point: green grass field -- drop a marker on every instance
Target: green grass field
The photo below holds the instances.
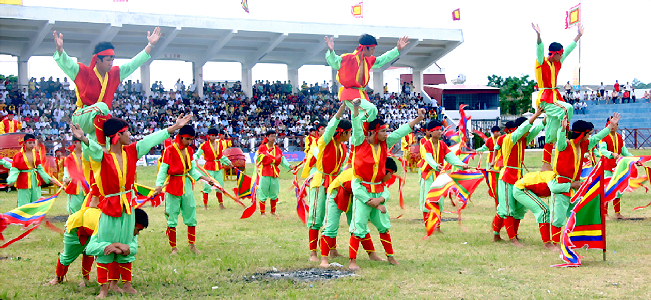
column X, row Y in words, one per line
column 455, row 264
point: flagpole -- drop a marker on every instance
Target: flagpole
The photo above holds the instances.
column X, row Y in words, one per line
column 603, row 206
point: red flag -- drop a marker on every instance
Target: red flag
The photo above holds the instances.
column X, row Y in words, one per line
column 456, row 14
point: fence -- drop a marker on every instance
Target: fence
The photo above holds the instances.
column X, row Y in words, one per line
column 639, row 138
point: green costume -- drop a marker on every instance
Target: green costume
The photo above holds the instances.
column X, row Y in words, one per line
column 425, row 184
column 217, row 175
column 333, row 215
column 96, row 248
column 26, row 196
column 76, row 200
column 183, row 204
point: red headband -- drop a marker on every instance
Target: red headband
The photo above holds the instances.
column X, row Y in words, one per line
column 339, row 131
column 114, row 137
column 435, row 128
column 139, row 226
column 107, row 52
column 178, row 139
column 559, row 52
column 30, row 139
column 360, row 47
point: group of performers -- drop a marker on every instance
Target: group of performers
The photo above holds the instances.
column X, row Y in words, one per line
column 348, row 163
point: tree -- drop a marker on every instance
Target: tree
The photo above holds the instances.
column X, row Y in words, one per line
column 637, row 84
column 515, row 93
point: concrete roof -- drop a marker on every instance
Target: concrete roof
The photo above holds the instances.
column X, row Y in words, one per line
column 27, row 31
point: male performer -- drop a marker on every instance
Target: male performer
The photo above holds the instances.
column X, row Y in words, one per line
column 96, row 83
column 9, row 125
column 27, row 172
column 74, row 188
column 513, row 146
column 330, row 158
column 405, row 146
column 340, row 199
column 434, row 153
column 613, row 147
column 115, row 171
column 528, row 191
column 269, row 157
column 547, row 69
column 310, row 158
column 353, row 69
column 490, row 143
column 212, row 151
column 570, row 150
column 179, row 172
column 122, row 252
column 497, row 164
column 367, row 185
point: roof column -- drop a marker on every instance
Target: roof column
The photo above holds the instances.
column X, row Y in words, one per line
column 417, row 77
column 378, row 81
column 334, row 81
column 197, row 75
column 247, row 81
column 23, row 79
column 292, row 76
column 144, row 79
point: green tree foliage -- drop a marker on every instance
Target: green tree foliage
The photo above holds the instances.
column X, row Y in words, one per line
column 515, row 93
column 637, row 84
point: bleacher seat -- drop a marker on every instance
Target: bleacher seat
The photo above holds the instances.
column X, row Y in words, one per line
column 634, row 115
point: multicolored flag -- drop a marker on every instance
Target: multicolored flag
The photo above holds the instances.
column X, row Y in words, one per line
column 26, row 215
column 463, row 124
column 249, row 211
column 245, row 6
column 491, row 177
column 466, row 182
column 243, row 185
column 648, row 173
column 146, row 194
column 440, row 188
column 573, row 16
column 586, row 226
column 301, row 205
column 622, row 175
column 357, row 10
column 456, row 14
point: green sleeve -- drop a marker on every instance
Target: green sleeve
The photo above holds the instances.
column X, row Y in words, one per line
column 558, row 188
column 333, row 59
column 540, row 53
column 482, row 148
column 150, row 141
column 198, row 153
column 429, row 159
column 330, row 130
column 93, row 150
column 66, row 175
column 568, row 50
column 5, row 163
column 359, row 191
column 497, row 147
column 44, row 175
column 561, row 140
column 133, row 246
column 135, row 63
column 522, row 129
column 224, row 160
column 453, row 159
column 625, row 151
column 162, row 174
column 13, row 175
column 385, row 58
column 95, row 247
column 535, row 129
column 67, row 65
column 194, row 171
column 593, row 140
column 397, row 135
column 285, row 163
column 386, row 195
column 358, row 131
column 603, row 149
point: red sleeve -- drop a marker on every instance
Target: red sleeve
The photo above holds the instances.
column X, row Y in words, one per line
column 443, row 148
column 428, row 145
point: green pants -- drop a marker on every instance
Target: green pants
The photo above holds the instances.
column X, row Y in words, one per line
column 424, row 190
column 560, row 205
column 72, row 248
column 362, row 213
column 268, row 188
column 333, row 215
column 219, row 176
column 85, row 117
column 555, row 115
column 507, row 206
column 370, row 108
column 26, row 196
column 316, row 204
column 115, row 230
column 533, row 203
column 183, row 204
column 75, row 202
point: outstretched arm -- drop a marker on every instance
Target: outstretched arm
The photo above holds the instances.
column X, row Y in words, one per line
column 540, row 48
column 67, row 65
column 572, row 45
column 333, row 59
column 391, row 55
column 137, row 61
column 151, row 140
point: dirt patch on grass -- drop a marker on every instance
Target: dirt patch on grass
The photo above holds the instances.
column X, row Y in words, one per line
column 58, row 219
column 312, row 274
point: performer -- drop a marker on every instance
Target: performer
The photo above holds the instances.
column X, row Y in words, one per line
column 58, row 161
column 512, row 149
column 353, row 70
column 115, row 171
column 434, row 153
column 310, row 158
column 547, row 69
column 405, row 146
column 96, row 84
column 212, row 151
column 269, row 157
column 9, row 125
column 489, row 145
column 331, row 157
column 497, row 164
column 613, row 147
column 179, row 172
column 122, row 252
column 27, row 172
column 567, row 166
column 528, row 191
column 74, row 187
column 368, row 186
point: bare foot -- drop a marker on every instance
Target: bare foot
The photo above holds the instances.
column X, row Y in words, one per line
column 438, row 230
column 263, row 214
column 392, row 260
column 313, row 256
column 324, row 262
column 84, row 283
column 103, row 291
column 175, row 251
column 113, row 286
column 127, row 288
column 619, row 216
column 353, row 265
column 546, row 167
column 194, row 249
column 374, row 257
column 221, row 206
column 334, row 253
column 497, row 238
column 557, row 247
column 550, row 246
column 516, row 243
column 274, row 214
column 608, row 218
column 205, row 207
column 55, row 281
